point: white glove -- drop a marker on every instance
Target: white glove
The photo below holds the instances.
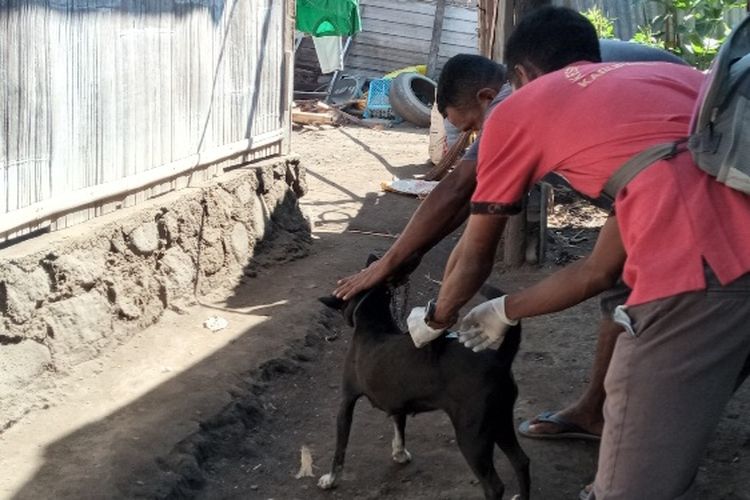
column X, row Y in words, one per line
column 485, row 326
column 421, row 333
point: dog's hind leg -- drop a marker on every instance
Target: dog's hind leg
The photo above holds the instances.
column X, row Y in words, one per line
column 507, row 441
column 343, row 426
column 399, row 452
column 477, row 448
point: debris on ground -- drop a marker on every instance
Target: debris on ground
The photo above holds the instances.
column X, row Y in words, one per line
column 306, row 463
column 415, row 187
column 314, row 118
column 373, row 233
column 314, row 112
column 215, row 323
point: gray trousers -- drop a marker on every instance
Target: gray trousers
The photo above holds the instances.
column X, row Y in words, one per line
column 667, row 386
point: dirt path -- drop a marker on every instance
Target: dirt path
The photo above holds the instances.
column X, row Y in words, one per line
column 179, row 413
column 551, row 369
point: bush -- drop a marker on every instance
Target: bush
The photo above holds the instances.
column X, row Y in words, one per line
column 692, row 29
column 605, row 27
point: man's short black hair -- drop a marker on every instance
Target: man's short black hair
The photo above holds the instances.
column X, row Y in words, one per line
column 463, row 76
column 550, row 38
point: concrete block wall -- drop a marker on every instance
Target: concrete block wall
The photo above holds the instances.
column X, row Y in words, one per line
column 67, row 297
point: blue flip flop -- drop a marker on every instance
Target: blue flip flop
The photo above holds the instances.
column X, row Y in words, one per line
column 568, row 430
column 585, row 493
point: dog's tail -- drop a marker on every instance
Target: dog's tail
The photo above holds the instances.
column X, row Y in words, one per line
column 507, row 351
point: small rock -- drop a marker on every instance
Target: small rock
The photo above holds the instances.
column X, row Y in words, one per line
column 145, row 239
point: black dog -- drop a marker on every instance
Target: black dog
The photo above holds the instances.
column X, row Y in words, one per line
column 476, row 390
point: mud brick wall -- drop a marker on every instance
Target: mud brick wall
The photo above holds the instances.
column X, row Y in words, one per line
column 67, row 297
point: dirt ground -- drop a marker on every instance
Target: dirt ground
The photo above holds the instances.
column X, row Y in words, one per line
column 225, row 415
column 299, row 406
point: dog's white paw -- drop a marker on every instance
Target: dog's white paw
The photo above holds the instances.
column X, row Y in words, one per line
column 516, row 497
column 401, row 456
column 327, row 482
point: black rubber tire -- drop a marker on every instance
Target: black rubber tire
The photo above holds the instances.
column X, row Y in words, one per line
column 411, row 97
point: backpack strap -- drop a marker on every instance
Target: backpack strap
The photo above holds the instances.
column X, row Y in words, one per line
column 633, row 166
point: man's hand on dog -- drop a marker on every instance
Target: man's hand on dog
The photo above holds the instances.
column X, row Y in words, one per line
column 485, row 326
column 348, row 287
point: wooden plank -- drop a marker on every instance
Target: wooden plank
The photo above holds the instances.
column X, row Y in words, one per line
column 397, row 50
column 398, row 33
column 460, row 26
column 469, row 14
column 399, row 29
column 394, row 43
column 407, row 6
column 391, row 31
column 385, row 63
column 447, row 51
column 376, row 67
column 413, row 15
column 386, row 55
column 306, row 117
column 409, row 18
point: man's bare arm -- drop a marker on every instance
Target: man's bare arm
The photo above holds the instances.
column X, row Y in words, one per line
column 444, row 210
column 469, row 265
column 575, row 283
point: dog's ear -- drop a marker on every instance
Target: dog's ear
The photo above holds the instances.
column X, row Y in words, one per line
column 490, row 292
column 333, row 302
column 370, row 259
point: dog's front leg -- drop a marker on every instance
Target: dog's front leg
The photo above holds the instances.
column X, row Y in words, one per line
column 399, row 452
column 343, row 426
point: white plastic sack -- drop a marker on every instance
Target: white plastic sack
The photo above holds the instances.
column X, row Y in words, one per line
column 414, row 187
column 330, row 53
column 438, row 139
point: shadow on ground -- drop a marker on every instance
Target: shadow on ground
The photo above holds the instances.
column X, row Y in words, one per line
column 275, row 388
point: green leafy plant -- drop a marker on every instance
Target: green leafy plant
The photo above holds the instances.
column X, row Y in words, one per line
column 605, row 27
column 692, row 29
column 646, row 36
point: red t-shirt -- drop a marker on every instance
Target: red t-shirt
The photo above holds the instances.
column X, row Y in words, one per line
column 586, row 120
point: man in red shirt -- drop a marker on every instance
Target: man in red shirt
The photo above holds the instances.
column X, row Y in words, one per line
column 468, row 89
column 679, row 240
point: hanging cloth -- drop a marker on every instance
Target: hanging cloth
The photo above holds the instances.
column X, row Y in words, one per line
column 330, row 53
column 328, row 17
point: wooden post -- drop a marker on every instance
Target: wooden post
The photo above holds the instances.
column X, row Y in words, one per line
column 516, row 238
column 508, row 15
column 487, row 19
column 287, row 90
column 437, row 33
column 504, row 22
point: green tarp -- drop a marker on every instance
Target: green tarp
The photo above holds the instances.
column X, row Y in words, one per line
column 328, row 17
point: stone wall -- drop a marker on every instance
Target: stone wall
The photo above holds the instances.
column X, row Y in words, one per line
column 67, row 297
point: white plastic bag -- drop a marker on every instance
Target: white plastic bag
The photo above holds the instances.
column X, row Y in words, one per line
column 438, row 139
